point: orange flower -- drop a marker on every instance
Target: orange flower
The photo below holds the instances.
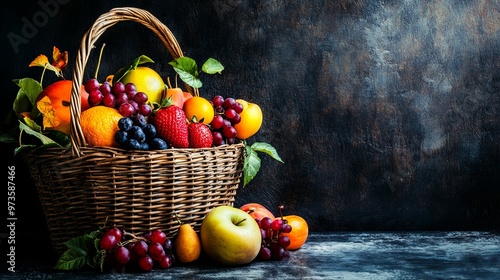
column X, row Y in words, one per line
column 60, row 60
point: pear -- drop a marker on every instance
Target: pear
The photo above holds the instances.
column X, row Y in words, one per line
column 187, row 244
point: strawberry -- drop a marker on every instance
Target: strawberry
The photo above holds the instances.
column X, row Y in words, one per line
column 200, row 135
column 171, row 126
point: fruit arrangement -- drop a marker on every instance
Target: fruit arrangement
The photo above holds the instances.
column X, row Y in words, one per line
column 154, row 115
column 229, row 236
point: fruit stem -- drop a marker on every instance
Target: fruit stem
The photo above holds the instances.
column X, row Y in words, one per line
column 280, row 209
column 240, row 221
column 169, row 85
column 43, row 74
column 99, row 60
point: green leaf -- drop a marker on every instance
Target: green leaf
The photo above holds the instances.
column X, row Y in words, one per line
column 29, row 90
column 45, row 140
column 252, row 162
column 131, row 66
column 251, row 165
column 268, row 149
column 187, row 69
column 212, row 66
column 80, row 252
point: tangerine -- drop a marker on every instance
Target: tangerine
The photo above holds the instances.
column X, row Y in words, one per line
column 200, row 107
column 99, row 125
column 57, row 114
column 299, row 233
column 146, row 80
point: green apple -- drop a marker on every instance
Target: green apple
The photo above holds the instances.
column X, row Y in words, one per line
column 230, row 236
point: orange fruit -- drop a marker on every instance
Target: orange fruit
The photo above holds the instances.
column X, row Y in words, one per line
column 200, row 107
column 99, row 125
column 251, row 120
column 146, row 80
column 56, row 110
column 299, row 233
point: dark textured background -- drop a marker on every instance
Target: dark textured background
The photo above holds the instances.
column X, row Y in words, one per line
column 386, row 113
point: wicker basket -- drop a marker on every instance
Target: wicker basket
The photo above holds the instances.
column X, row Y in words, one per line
column 85, row 188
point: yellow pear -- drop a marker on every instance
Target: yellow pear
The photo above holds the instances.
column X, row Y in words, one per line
column 187, row 244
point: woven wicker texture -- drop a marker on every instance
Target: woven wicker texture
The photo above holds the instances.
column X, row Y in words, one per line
column 85, row 188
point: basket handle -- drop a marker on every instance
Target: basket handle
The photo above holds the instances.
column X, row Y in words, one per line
column 102, row 23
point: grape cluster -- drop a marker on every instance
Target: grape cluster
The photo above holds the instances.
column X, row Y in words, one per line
column 227, row 114
column 273, row 244
column 143, row 253
column 135, row 133
column 123, row 97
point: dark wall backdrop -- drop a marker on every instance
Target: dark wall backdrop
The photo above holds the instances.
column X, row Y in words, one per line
column 386, row 113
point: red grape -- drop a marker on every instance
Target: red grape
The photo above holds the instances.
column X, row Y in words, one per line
column 108, row 242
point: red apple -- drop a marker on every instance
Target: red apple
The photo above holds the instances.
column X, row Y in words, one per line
column 257, row 211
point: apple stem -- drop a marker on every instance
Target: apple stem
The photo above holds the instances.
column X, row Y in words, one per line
column 251, row 211
column 240, row 221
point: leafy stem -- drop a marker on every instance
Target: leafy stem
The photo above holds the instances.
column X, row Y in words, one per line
column 252, row 162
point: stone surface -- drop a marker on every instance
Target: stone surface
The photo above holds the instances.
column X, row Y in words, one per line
column 386, row 113
column 341, row 255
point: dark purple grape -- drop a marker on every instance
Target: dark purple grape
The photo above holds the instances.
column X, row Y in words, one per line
column 129, row 87
column 95, row 97
column 168, row 245
column 109, row 101
column 105, row 88
column 146, row 263
column 135, row 105
column 217, row 101
column 141, row 97
column 284, row 241
column 265, row 223
column 91, row 85
column 141, row 248
column 237, row 107
column 229, row 132
column 265, row 253
column 166, row 262
column 276, row 224
column 121, row 98
column 158, row 236
column 144, row 109
column 131, row 94
column 236, row 119
column 156, row 249
column 230, row 113
column 286, row 228
column 108, row 242
column 277, row 252
column 228, row 103
column 218, row 139
column 122, row 255
column 126, row 109
column 217, row 122
column 117, row 88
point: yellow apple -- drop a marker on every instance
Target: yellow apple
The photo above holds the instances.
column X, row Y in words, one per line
column 230, row 236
